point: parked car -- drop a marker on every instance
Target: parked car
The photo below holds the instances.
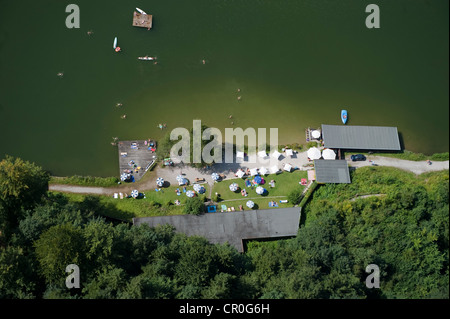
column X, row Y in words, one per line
column 358, row 157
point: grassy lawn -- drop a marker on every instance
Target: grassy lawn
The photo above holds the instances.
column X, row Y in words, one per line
column 154, row 203
column 284, row 184
column 162, row 203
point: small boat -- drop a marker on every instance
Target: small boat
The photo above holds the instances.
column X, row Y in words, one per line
column 141, row 11
column 115, row 43
column 147, row 58
column 344, row 116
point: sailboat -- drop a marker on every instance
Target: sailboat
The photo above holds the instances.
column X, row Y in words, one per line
column 141, row 11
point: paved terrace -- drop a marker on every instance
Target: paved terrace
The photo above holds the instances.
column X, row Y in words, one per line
column 233, row 227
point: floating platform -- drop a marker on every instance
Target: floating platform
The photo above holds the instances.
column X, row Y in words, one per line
column 142, row 20
column 135, row 157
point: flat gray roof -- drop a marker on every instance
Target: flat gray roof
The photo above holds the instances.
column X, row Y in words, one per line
column 233, row 227
column 361, row 137
column 332, row 171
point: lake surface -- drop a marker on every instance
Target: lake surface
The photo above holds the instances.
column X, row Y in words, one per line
column 297, row 64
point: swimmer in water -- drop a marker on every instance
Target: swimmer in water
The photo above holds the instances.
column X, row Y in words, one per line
column 60, row 74
column 203, row 61
column 239, row 98
column 124, row 117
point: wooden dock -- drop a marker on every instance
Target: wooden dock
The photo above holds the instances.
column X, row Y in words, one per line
column 135, row 158
column 142, row 20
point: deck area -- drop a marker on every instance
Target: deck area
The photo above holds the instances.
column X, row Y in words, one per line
column 142, row 20
column 135, row 158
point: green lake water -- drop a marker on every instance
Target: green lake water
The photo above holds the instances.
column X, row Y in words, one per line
column 297, row 64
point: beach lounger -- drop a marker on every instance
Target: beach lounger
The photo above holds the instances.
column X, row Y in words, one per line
column 116, row 195
column 283, row 201
column 121, row 195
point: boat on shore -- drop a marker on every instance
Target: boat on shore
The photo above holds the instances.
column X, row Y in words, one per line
column 147, row 58
column 141, row 11
column 344, row 116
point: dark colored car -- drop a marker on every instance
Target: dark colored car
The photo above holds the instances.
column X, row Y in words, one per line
column 358, row 157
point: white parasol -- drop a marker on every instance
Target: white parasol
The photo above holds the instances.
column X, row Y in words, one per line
column 328, row 154
column 260, row 190
column 314, row 153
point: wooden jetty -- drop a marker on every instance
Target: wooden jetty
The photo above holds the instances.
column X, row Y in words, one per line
column 135, row 157
column 142, row 20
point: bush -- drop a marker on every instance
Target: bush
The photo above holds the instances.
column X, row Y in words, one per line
column 194, row 206
column 295, row 196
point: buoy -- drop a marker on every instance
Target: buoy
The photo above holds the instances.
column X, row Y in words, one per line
column 117, row 49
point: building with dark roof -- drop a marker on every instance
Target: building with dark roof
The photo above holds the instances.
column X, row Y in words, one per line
column 353, row 137
column 332, row 171
column 233, row 227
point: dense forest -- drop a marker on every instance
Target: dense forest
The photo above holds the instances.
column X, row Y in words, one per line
column 402, row 228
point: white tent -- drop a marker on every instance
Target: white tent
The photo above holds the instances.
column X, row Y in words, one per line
column 276, row 154
column 263, row 171
column 289, row 152
column 240, row 173
column 315, row 134
column 328, row 154
column 260, row 190
column 274, row 169
column 240, row 155
column 287, row 167
column 262, row 154
column 253, row 171
column 314, row 153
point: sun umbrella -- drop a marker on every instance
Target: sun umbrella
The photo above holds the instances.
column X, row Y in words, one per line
column 197, row 187
column 124, row 177
column 160, row 181
column 276, row 154
column 234, row 187
column 260, row 190
column 287, row 167
column 263, row 171
column 315, row 134
column 180, row 178
column 240, row 173
column 250, row 204
column 215, row 176
column 314, row 153
column 328, row 154
column 274, row 169
column 254, row 171
column 257, row 179
column 190, row 193
column 134, row 193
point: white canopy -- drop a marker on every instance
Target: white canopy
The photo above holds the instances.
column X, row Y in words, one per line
column 263, row 171
column 314, row 153
column 289, row 152
column 240, row 173
column 328, row 154
column 262, row 154
column 315, row 134
column 253, row 171
column 260, row 190
column 274, row 169
column 276, row 154
column 239, row 154
column 287, row 167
